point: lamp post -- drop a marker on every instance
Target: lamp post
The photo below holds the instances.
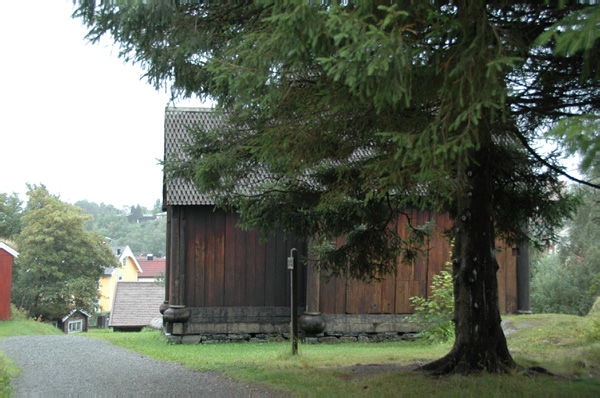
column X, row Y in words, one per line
column 292, row 265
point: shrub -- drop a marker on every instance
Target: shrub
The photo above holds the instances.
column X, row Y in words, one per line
column 560, row 288
column 436, row 312
column 17, row 314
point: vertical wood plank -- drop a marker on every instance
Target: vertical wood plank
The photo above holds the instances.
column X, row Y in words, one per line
column 219, row 265
column 174, row 275
column 403, row 291
column 511, row 281
column 200, row 222
column 373, row 296
column 302, row 275
column 181, row 257
column 260, row 275
column 388, row 290
column 356, row 302
column 404, row 272
column 239, row 292
column 280, row 266
column 501, row 277
column 250, row 300
column 190, row 268
column 271, row 281
column 230, row 275
column 209, row 261
column 439, row 249
column 168, row 253
column 327, row 295
column 420, row 268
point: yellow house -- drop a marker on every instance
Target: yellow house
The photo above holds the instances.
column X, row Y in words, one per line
column 127, row 271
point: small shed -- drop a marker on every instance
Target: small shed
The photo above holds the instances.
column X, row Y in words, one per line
column 7, row 254
column 136, row 305
column 75, row 322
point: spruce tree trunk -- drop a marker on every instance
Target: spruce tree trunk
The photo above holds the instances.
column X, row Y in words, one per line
column 480, row 343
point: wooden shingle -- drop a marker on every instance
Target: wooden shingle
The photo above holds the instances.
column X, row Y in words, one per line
column 136, row 304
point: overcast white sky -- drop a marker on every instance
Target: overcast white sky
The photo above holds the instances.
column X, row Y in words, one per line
column 73, row 115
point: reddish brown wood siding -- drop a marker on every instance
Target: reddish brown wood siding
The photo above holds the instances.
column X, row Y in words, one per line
column 391, row 296
column 224, row 266
column 6, row 261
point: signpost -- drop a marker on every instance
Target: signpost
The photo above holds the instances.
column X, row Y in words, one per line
column 292, row 265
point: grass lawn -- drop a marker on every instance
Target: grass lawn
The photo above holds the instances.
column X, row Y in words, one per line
column 560, row 343
column 566, row 345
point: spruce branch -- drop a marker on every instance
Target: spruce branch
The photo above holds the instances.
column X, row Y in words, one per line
column 532, row 151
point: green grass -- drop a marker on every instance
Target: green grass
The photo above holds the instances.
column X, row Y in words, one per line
column 564, row 344
column 546, row 340
column 7, row 372
column 26, row 328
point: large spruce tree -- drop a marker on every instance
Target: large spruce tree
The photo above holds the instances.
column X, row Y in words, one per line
column 340, row 116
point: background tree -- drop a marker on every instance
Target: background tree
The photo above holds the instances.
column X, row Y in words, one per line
column 110, row 222
column 10, row 215
column 147, row 237
column 59, row 263
column 567, row 281
column 341, row 116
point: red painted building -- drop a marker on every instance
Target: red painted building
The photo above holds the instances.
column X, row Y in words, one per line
column 7, row 254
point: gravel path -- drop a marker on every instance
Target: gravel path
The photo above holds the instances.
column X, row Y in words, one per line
column 59, row 366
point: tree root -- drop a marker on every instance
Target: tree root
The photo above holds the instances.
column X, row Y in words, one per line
column 453, row 364
column 540, row 370
column 450, row 365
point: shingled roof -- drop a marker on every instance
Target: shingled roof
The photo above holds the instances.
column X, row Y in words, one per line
column 136, row 304
column 178, row 121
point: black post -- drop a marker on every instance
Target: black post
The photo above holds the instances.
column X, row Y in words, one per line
column 293, row 267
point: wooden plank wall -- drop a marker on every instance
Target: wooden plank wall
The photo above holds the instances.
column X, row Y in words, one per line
column 228, row 267
column 391, row 296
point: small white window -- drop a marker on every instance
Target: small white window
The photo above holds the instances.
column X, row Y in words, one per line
column 120, row 277
column 75, row 326
column 125, row 262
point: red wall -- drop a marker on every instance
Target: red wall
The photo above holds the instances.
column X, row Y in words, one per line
column 6, row 261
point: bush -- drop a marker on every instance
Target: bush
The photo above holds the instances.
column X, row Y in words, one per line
column 436, row 313
column 17, row 314
column 560, row 288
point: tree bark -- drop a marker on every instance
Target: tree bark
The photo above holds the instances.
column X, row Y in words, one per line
column 480, row 344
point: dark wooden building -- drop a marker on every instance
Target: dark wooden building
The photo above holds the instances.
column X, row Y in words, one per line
column 219, row 278
column 222, row 280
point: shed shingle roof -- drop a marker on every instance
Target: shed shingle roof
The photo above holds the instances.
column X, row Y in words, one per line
column 136, row 304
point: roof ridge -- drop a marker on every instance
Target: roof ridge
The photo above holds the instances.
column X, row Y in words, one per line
column 188, row 109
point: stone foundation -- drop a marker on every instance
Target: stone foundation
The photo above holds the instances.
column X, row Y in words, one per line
column 261, row 325
column 323, row 338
